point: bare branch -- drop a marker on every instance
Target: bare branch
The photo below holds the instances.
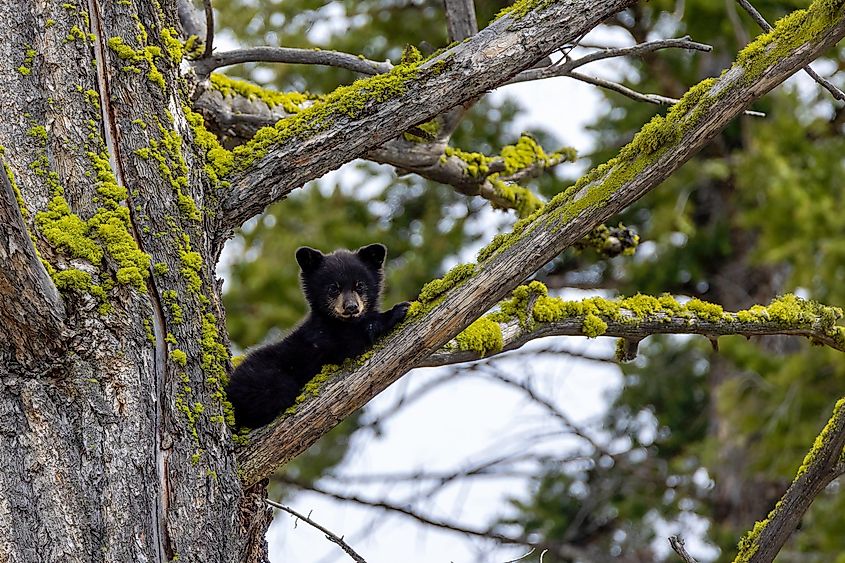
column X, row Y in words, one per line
column 470, row 290
column 823, row 82
column 677, row 543
column 460, row 19
column 820, row 467
column 331, row 536
column 290, row 55
column 634, row 95
column 562, row 549
column 32, row 308
column 209, row 28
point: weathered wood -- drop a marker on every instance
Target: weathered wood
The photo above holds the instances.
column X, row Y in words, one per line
column 546, row 237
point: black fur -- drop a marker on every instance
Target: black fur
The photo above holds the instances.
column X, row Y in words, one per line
column 341, row 283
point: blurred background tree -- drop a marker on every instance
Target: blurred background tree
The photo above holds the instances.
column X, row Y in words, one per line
column 698, row 436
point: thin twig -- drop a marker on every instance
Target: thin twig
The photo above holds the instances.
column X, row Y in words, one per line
column 329, row 534
column 291, row 55
column 209, row 29
column 823, row 82
column 563, row 549
column 677, row 543
column 634, row 95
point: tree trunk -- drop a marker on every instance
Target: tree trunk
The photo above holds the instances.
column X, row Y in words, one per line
column 113, row 448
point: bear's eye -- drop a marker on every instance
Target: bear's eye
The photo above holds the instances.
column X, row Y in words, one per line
column 334, row 290
column 359, row 286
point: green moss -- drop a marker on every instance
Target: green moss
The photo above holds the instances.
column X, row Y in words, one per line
column 431, row 129
column 593, row 326
column 170, row 39
column 483, row 336
column 517, row 197
column 290, row 102
column 521, row 8
column 93, row 98
column 796, row 29
column 167, row 153
column 215, row 357
column 29, row 56
column 477, row 164
column 219, row 161
column 179, row 357
column 75, row 33
column 345, row 102
column 16, row 190
column 517, row 305
column 160, row 268
column 73, row 280
column 148, row 330
column 434, row 290
column 147, row 54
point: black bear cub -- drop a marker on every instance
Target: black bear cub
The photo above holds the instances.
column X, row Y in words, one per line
column 343, row 290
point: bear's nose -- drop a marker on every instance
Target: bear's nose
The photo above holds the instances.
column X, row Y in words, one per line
column 350, row 307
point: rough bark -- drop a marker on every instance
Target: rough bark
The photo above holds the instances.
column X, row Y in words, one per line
column 101, row 460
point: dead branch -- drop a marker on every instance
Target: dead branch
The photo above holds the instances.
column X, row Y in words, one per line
column 209, row 28
column 677, row 543
column 331, row 536
column 460, row 19
column 562, row 549
column 290, row 55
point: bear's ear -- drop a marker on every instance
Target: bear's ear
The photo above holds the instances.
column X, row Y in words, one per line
column 373, row 255
column 308, row 258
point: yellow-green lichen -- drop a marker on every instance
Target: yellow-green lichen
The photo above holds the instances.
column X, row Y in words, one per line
column 160, row 268
column 430, row 128
column 593, row 326
column 29, row 56
column 213, row 363
column 483, row 336
column 148, row 331
column 290, row 102
column 344, row 102
column 517, row 305
column 792, row 31
column 521, row 8
column 434, row 290
column 219, row 161
column 179, row 357
column 170, row 39
column 76, row 280
column 147, row 54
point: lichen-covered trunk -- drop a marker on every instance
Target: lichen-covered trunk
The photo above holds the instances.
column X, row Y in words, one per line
column 114, row 439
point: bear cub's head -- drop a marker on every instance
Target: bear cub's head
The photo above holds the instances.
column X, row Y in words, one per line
column 344, row 285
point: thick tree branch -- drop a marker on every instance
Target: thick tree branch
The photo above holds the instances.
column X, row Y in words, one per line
column 453, row 303
column 823, row 82
column 31, row 306
column 677, row 544
column 335, row 133
column 290, row 55
column 813, row 321
column 820, row 467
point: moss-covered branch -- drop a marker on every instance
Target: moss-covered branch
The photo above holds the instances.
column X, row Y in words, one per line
column 822, row 464
column 447, row 306
column 530, row 313
column 355, row 119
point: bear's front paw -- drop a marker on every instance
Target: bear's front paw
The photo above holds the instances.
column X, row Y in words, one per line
column 398, row 312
